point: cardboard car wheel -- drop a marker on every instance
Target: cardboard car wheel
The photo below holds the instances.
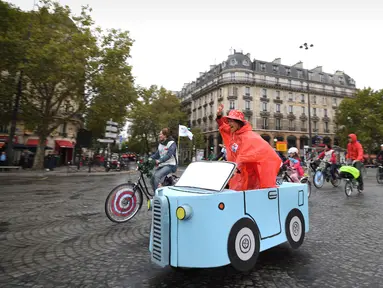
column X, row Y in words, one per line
column 295, row 228
column 243, row 245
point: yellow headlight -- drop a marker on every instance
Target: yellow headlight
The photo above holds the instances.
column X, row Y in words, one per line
column 149, row 205
column 180, row 212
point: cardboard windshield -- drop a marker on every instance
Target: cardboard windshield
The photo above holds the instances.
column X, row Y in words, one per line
column 207, row 175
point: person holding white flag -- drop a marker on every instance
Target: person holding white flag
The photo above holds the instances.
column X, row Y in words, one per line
column 183, row 131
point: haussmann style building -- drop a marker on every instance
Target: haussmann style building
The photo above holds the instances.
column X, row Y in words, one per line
column 273, row 97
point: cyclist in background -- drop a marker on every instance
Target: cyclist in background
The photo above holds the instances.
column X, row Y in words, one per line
column 355, row 155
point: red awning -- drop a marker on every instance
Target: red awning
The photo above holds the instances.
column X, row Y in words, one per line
column 64, row 144
column 2, row 144
column 34, row 142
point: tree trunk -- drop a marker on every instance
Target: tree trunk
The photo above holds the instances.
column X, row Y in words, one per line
column 38, row 163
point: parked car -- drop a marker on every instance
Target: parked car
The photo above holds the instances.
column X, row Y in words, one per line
column 197, row 223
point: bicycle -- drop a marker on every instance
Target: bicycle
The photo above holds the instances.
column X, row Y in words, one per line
column 379, row 173
column 125, row 200
column 350, row 174
column 322, row 173
column 286, row 178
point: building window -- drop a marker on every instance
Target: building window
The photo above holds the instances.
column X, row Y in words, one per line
column 220, row 92
column 291, row 124
column 310, row 75
column 232, row 75
column 264, row 93
column 263, row 66
column 275, row 68
column 211, row 96
column 264, row 106
column 235, row 91
column 299, row 73
column 289, row 82
column 324, row 101
column 303, row 124
column 288, row 71
column 247, row 90
column 232, row 104
column 265, row 123
column 278, row 107
column 278, row 94
column 291, row 109
column 334, row 101
column 315, row 99
column 321, row 78
column 325, row 112
column 330, row 78
column 303, row 110
column 247, row 105
column 278, row 124
column 247, row 76
column 303, row 98
column 315, row 125
column 290, row 96
column 315, row 111
column 326, row 127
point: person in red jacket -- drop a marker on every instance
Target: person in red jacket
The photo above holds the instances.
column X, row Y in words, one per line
column 257, row 163
column 355, row 154
column 329, row 157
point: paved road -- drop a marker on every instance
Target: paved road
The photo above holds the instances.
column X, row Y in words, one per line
column 53, row 233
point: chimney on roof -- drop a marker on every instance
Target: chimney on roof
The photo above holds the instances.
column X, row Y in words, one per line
column 298, row 65
column 248, row 55
column 277, row 61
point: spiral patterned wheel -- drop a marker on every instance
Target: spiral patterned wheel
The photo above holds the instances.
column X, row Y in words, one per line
column 122, row 203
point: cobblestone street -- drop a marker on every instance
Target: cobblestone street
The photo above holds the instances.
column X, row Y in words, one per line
column 54, row 233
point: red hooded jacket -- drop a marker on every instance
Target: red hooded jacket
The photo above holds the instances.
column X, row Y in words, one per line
column 255, row 158
column 354, row 149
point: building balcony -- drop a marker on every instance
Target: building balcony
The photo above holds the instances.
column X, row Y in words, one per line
column 204, row 118
column 303, row 129
column 303, row 117
column 265, row 99
column 211, row 102
column 326, row 130
column 334, row 106
column 326, row 119
column 211, row 116
column 315, row 118
column 247, row 112
column 278, row 100
column 316, row 130
column 278, row 115
column 189, row 111
column 195, row 109
column 220, row 98
column 200, row 107
column 232, row 97
column 199, row 120
column 247, row 97
column 205, row 104
column 217, row 83
column 278, row 128
column 291, row 116
column 265, row 127
column 292, row 128
column 264, row 113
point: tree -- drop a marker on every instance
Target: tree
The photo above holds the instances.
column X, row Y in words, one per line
column 362, row 115
column 156, row 108
column 67, row 65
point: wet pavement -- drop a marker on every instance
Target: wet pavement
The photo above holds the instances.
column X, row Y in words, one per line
column 54, row 233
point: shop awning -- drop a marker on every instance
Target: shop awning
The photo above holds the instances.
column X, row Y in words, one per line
column 64, row 144
column 2, row 144
column 33, row 142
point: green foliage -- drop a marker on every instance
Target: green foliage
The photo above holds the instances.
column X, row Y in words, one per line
column 146, row 166
column 156, row 109
column 362, row 115
column 67, row 66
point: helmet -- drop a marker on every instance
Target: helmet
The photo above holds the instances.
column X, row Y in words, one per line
column 293, row 150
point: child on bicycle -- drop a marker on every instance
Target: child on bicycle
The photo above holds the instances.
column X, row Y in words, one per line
column 294, row 165
column 329, row 157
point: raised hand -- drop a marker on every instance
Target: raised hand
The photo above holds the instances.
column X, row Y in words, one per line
column 219, row 110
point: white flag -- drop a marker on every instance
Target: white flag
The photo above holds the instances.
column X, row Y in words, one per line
column 183, row 131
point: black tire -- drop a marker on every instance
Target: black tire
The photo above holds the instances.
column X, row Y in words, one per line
column 379, row 175
column 337, row 180
column 243, row 245
column 316, row 184
column 348, row 188
column 295, row 228
column 122, row 203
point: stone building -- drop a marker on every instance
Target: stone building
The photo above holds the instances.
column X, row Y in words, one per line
column 273, row 96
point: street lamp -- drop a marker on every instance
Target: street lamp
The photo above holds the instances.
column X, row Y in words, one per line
column 306, row 47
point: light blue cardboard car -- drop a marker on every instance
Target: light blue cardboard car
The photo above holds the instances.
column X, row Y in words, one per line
column 199, row 224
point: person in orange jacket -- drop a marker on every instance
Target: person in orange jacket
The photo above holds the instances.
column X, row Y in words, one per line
column 257, row 163
column 355, row 154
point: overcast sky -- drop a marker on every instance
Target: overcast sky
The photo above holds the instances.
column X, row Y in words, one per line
column 175, row 39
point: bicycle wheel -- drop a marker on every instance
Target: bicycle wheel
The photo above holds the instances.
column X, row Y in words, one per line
column 337, row 180
column 379, row 175
column 122, row 203
column 318, row 179
column 348, row 188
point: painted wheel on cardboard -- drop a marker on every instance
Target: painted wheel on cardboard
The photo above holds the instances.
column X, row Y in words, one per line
column 295, row 228
column 122, row 203
column 243, row 245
